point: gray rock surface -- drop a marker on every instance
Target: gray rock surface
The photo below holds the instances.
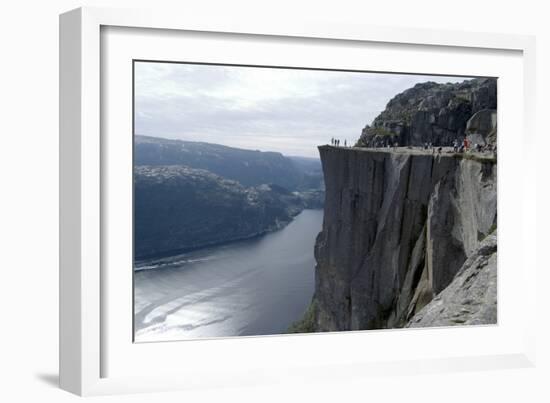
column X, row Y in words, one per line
column 430, row 112
column 397, row 228
column 481, row 128
column 471, row 298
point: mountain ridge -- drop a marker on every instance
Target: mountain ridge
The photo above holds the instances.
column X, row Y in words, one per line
column 249, row 167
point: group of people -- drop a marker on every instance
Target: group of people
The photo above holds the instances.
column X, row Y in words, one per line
column 385, row 144
column 462, row 147
column 466, row 145
column 336, row 142
column 430, row 146
column 458, row 146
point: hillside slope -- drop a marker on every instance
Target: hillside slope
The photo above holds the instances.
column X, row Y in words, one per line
column 248, row 167
column 436, row 113
column 178, row 208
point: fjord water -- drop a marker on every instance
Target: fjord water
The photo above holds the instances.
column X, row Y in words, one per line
column 253, row 287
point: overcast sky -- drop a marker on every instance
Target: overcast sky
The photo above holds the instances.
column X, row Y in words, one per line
column 268, row 109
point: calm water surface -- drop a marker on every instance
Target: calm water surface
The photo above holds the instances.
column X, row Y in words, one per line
column 253, row 287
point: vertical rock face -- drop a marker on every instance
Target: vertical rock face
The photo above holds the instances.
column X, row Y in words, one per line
column 397, row 228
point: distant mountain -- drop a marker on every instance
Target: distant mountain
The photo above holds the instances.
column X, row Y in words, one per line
column 248, row 167
column 311, row 166
column 178, row 208
column 312, row 172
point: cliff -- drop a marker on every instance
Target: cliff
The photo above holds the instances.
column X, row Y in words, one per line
column 436, row 113
column 398, row 227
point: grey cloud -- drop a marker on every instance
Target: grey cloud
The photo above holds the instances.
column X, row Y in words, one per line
column 188, row 102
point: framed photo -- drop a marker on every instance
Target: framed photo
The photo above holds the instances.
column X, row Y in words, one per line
column 265, row 202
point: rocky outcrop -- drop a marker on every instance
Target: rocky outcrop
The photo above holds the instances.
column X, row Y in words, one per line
column 431, row 113
column 398, row 227
column 471, row 298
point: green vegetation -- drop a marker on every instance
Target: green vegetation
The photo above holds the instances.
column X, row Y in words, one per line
column 380, row 131
column 481, row 236
column 307, row 323
column 360, row 143
column 463, row 96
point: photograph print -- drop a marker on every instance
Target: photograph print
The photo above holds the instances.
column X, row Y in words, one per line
column 273, row 201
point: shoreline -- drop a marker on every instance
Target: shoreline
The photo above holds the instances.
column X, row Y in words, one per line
column 178, row 252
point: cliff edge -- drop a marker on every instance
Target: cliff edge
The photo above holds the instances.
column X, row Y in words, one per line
column 398, row 227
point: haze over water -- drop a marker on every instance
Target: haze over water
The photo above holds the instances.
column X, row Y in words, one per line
column 254, row 287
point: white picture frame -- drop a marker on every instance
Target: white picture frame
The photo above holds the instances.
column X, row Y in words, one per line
column 86, row 346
